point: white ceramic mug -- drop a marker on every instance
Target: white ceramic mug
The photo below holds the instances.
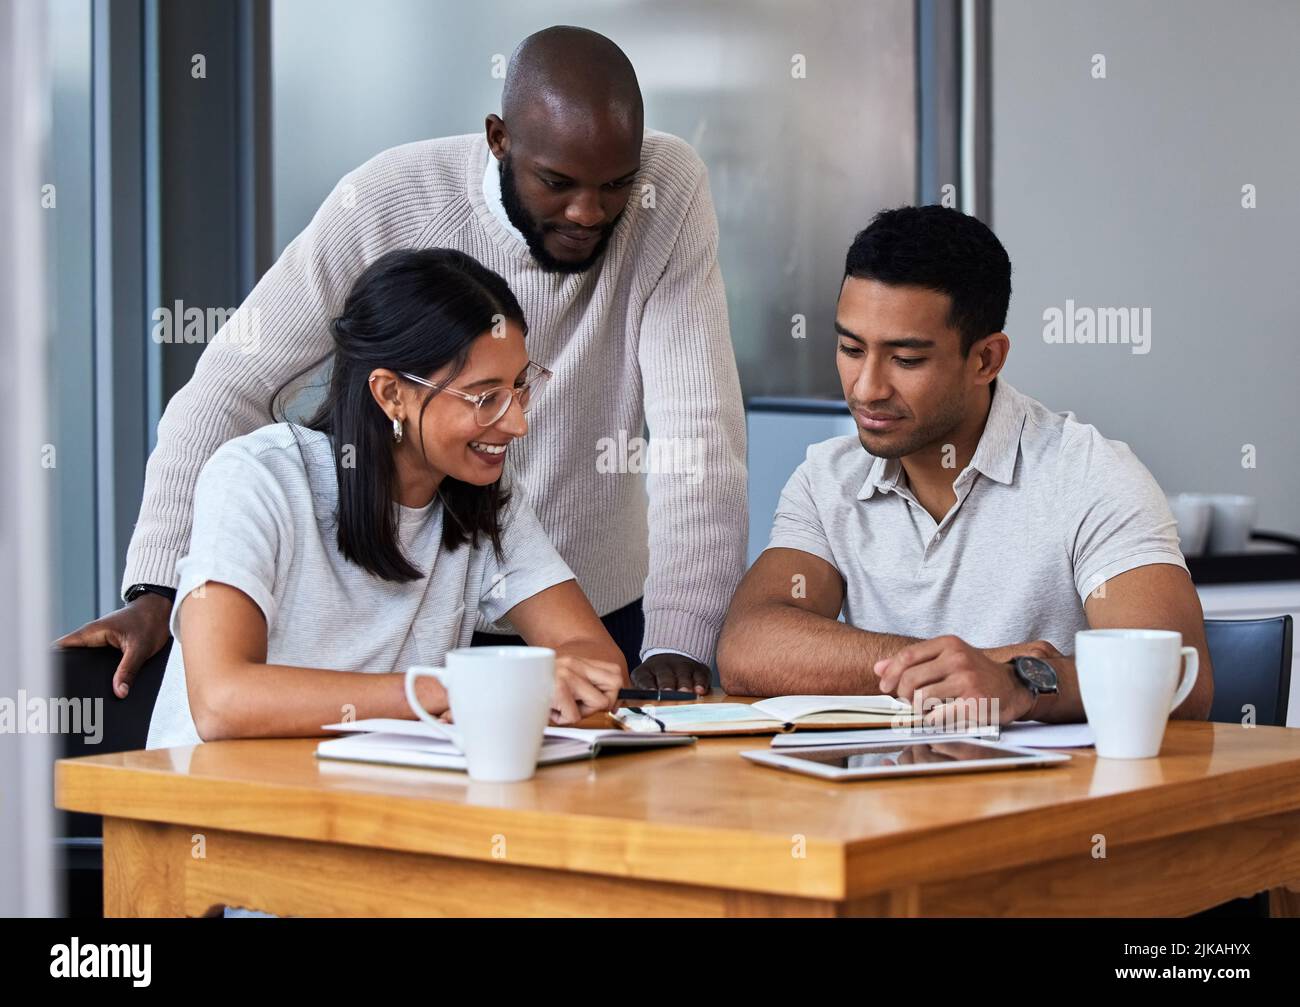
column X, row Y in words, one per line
column 1193, row 513
column 501, row 701
column 1232, row 519
column 1129, row 681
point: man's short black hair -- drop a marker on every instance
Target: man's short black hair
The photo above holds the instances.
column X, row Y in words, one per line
column 940, row 249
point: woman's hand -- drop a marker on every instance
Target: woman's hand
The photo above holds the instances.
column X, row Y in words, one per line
column 583, row 686
column 589, row 667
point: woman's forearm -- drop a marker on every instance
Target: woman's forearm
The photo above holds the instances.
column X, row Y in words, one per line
column 249, row 700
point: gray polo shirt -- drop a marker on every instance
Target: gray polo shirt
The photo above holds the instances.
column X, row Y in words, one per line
column 1047, row 511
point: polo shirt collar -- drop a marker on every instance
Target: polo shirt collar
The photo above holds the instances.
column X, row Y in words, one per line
column 883, row 475
column 995, row 454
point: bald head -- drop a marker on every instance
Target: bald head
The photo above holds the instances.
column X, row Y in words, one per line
column 569, row 144
column 562, row 76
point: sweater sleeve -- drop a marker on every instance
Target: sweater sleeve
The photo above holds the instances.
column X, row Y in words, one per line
column 280, row 329
column 698, row 511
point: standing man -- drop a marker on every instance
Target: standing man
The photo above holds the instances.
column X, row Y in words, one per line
column 606, row 234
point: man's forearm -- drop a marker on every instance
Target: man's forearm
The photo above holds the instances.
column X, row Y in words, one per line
column 685, row 601
column 193, row 426
column 699, row 506
column 781, row 650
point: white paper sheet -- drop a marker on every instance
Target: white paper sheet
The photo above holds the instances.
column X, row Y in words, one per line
column 1034, row 734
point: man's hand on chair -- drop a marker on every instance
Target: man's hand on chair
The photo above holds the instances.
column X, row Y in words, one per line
column 138, row 629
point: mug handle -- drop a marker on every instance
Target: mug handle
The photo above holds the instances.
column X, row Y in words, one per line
column 1190, row 668
column 414, row 672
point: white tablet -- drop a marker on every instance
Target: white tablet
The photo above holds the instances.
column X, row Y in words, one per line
column 921, row 756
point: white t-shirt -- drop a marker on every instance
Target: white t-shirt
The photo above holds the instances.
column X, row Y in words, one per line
column 264, row 522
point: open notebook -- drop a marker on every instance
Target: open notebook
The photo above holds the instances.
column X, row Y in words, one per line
column 415, row 743
column 770, row 716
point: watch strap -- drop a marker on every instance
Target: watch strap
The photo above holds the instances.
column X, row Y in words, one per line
column 135, row 590
column 1034, row 691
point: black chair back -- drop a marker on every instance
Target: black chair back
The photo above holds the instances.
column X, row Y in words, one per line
column 1252, row 667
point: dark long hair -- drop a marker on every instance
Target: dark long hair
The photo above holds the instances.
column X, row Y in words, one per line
column 413, row 310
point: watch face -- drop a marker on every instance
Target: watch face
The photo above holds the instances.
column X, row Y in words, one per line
column 1037, row 673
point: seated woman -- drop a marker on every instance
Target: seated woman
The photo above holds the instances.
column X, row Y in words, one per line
column 327, row 558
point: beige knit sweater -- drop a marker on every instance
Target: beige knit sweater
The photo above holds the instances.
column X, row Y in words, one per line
column 640, row 339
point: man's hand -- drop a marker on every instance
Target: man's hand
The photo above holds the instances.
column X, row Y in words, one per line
column 138, row 630
column 673, row 672
column 584, row 686
column 946, row 669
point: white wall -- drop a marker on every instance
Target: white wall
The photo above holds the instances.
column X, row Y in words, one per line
column 1127, row 192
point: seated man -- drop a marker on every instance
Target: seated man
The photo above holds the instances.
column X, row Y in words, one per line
column 969, row 526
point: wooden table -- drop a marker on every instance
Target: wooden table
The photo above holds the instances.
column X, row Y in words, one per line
column 695, row 831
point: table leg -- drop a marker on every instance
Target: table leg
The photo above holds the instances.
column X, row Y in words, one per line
column 1285, row 900
column 144, row 868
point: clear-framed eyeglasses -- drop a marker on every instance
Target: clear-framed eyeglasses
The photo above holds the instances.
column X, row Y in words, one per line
column 491, row 405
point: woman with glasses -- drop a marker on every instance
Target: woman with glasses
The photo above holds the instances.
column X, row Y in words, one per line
column 328, row 557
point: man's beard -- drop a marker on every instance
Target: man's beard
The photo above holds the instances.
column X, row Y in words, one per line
column 937, row 430
column 533, row 233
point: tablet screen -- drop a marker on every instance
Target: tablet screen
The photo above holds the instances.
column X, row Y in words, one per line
column 909, row 754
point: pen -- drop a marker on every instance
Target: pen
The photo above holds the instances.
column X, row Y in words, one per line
column 659, row 694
